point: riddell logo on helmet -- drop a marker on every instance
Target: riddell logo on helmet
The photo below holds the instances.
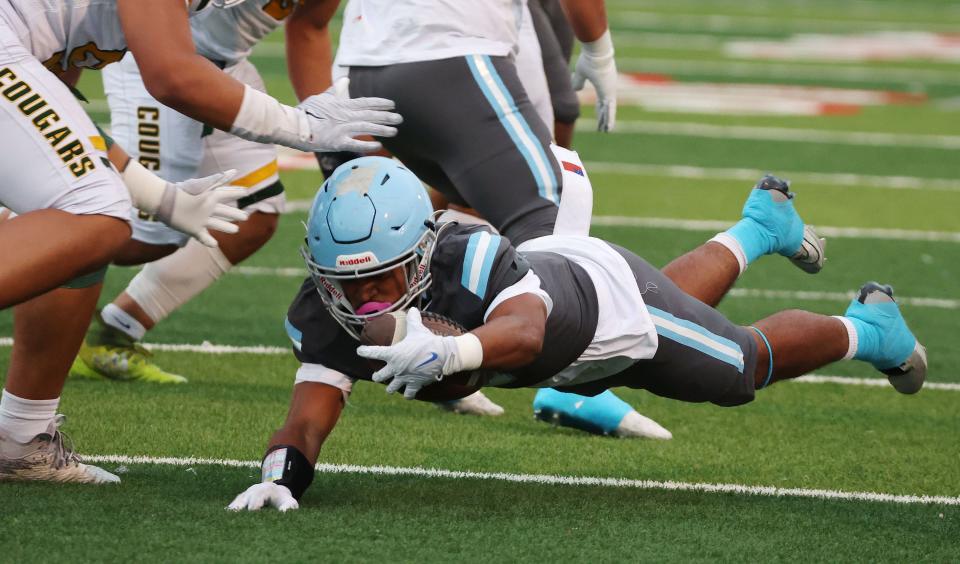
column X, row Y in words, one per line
column 333, row 290
column 362, row 259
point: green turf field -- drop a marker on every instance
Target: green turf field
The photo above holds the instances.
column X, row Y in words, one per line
column 889, row 201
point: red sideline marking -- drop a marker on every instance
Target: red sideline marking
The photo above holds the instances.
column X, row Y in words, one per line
column 830, row 109
column 904, row 97
column 651, row 78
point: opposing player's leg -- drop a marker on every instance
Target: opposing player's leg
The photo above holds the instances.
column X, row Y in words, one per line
column 44, row 249
column 73, row 217
column 112, row 347
column 551, row 32
column 530, row 67
column 487, row 147
column 55, row 178
column 770, row 225
column 47, row 332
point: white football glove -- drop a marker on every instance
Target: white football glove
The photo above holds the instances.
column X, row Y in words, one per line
column 196, row 205
column 191, row 206
column 6, row 214
column 335, row 119
column 597, row 65
column 416, row 361
column 264, row 494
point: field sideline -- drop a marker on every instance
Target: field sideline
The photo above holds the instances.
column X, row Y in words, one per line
column 834, row 467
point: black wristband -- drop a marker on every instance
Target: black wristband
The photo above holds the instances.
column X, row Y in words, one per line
column 287, row 466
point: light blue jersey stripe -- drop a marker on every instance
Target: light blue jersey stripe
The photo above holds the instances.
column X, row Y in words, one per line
column 696, row 337
column 295, row 334
column 478, row 262
column 485, row 74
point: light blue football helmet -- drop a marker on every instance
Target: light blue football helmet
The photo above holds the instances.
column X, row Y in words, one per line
column 372, row 215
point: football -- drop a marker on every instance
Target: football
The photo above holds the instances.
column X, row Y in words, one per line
column 391, row 328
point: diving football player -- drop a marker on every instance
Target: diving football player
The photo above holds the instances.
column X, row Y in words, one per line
column 563, row 311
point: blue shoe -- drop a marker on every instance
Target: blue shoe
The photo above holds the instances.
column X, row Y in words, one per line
column 885, row 341
column 771, row 225
column 604, row 414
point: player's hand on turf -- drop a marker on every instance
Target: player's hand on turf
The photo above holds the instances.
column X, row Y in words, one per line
column 596, row 64
column 267, row 494
column 414, row 362
column 336, row 120
column 194, row 206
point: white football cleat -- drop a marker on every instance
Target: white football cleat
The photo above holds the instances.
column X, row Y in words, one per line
column 474, row 404
column 635, row 425
column 47, row 458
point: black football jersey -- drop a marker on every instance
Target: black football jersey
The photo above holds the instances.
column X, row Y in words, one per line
column 470, row 266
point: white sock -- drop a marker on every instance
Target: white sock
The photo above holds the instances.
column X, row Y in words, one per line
column 734, row 246
column 852, row 339
column 23, row 419
column 119, row 319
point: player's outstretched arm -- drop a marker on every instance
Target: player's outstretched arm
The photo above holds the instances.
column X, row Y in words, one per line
column 288, row 465
column 158, row 35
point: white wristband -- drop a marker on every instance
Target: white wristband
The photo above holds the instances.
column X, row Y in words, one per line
column 146, row 188
column 469, row 354
column 265, row 120
column 600, row 47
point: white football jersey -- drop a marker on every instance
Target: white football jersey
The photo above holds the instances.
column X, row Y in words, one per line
column 387, row 32
column 229, row 34
column 65, row 33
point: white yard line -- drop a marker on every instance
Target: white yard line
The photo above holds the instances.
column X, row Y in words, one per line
column 938, row 303
column 869, row 382
column 764, row 23
column 825, row 231
column 265, row 350
column 752, row 174
column 295, row 160
column 704, row 225
column 550, row 480
column 843, row 73
column 688, row 129
column 800, row 295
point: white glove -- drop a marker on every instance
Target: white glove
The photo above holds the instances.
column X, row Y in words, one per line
column 6, row 214
column 597, row 65
column 335, row 119
column 192, row 206
column 321, row 123
column 266, row 493
column 200, row 204
column 416, row 361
